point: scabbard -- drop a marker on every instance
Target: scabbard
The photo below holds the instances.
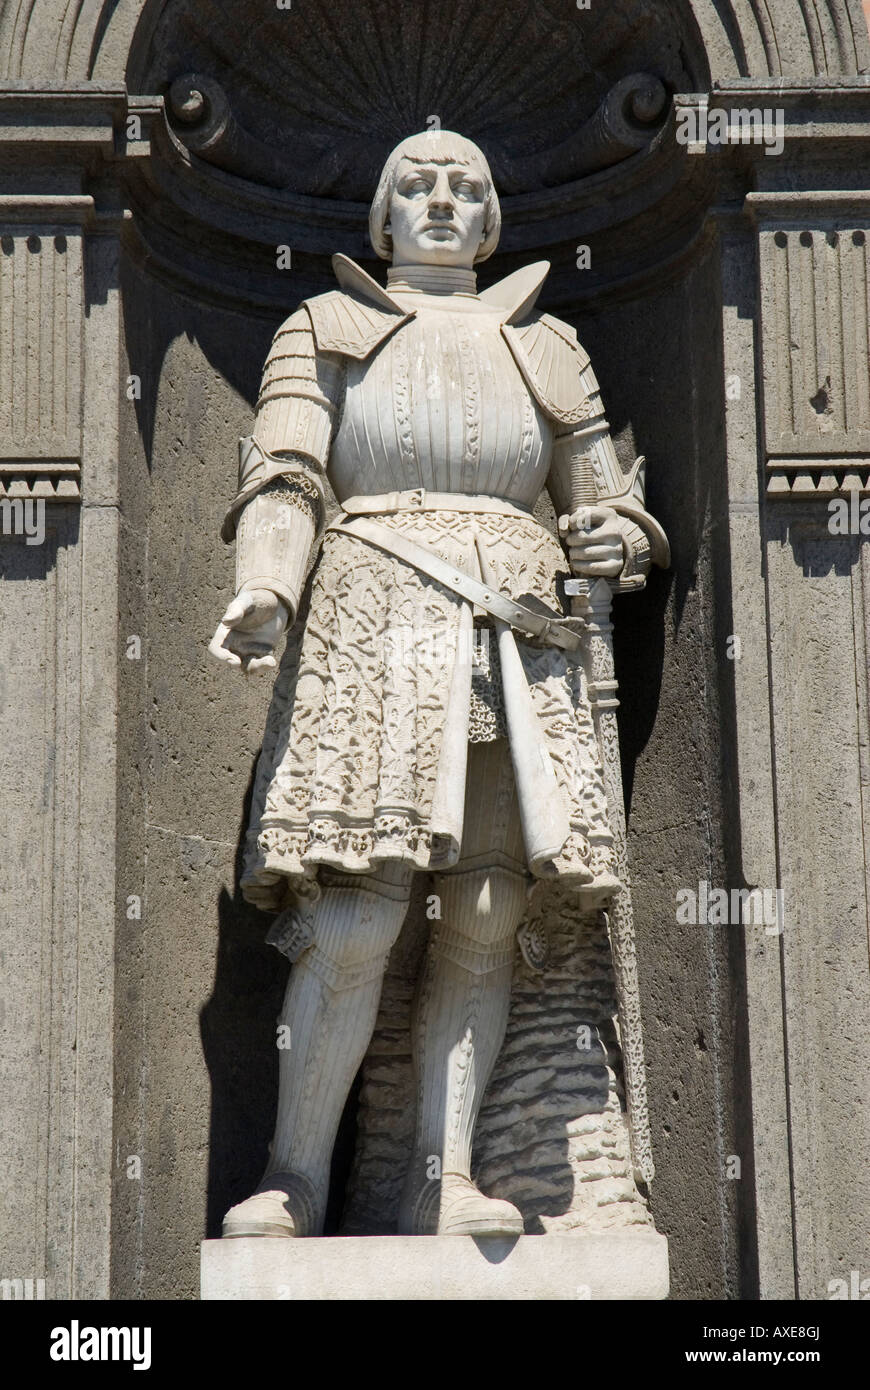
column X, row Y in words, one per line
column 592, row 603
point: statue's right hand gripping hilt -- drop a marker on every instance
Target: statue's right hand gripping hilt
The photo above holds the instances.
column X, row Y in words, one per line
column 652, row 543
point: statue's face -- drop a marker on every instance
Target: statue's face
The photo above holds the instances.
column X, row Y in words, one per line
column 437, row 214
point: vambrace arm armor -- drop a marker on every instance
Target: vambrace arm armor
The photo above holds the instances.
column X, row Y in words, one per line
column 275, row 533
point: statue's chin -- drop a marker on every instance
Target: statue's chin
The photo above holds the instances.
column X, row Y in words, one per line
column 438, row 253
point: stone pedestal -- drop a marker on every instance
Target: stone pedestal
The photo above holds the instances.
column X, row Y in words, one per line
column 599, row 1265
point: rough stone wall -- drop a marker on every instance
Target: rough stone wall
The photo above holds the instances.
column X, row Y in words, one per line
column 552, row 1136
column 198, row 988
column 659, row 361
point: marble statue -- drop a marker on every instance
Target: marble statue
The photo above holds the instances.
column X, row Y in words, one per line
column 434, row 710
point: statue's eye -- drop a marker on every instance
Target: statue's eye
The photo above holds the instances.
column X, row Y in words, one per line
column 466, row 189
column 418, row 186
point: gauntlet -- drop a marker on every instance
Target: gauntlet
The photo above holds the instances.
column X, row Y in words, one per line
column 586, row 472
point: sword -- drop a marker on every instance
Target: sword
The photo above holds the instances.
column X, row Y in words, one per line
column 591, row 600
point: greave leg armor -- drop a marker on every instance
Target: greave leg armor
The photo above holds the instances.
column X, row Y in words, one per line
column 461, row 1016
column 330, row 1010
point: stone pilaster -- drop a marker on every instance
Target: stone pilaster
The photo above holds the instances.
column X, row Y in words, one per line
column 60, row 222
column 793, row 237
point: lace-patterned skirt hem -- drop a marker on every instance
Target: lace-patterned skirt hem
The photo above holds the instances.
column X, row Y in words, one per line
column 283, row 862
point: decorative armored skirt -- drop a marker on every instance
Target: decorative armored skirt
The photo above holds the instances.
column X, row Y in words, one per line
column 384, row 679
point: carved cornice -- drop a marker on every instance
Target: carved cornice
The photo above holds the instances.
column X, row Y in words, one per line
column 756, row 38
column 827, row 113
column 54, row 480
column 78, row 115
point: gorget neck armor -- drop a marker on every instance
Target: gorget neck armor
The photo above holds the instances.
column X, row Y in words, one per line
column 432, row 279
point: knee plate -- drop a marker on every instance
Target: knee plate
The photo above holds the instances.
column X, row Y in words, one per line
column 480, row 912
column 357, row 923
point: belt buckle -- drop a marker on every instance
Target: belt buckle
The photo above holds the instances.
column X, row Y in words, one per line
column 415, row 498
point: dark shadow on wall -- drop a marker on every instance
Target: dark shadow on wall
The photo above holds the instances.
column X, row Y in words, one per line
column 238, row 1031
column 180, row 472
column 238, row 1027
column 638, row 626
column 741, row 1116
column 234, row 344
column 29, row 544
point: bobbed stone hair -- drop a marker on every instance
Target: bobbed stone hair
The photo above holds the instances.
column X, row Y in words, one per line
column 433, row 147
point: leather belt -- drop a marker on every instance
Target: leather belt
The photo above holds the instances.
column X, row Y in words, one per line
column 420, row 499
column 548, row 626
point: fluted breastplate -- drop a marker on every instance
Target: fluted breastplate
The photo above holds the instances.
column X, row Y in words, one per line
column 441, row 405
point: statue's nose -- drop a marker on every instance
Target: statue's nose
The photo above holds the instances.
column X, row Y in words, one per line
column 441, row 195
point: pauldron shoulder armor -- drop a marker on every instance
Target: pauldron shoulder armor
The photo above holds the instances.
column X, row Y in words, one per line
column 355, row 319
column 551, row 360
column 350, row 326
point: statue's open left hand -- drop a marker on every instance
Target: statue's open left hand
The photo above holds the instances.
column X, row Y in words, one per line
column 250, row 630
column 593, row 537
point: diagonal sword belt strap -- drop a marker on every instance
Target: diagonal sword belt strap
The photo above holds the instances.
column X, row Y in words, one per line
column 552, row 629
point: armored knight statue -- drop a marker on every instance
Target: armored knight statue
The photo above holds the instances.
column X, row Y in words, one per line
column 432, row 711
